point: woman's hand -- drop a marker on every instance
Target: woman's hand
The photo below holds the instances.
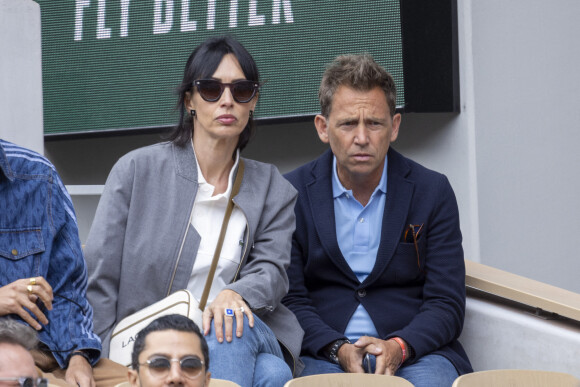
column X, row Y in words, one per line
column 24, row 293
column 226, row 299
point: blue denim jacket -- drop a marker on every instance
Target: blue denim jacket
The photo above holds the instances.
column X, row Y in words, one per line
column 39, row 237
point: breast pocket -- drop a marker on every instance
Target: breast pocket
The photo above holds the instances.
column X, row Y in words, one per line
column 17, row 244
column 407, row 263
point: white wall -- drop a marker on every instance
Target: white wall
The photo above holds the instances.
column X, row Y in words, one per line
column 526, row 60
column 21, row 74
column 510, row 154
column 500, row 335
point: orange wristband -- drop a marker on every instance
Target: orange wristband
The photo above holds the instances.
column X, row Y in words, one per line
column 403, row 347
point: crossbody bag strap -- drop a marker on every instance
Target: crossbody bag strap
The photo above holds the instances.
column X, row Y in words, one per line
column 218, row 249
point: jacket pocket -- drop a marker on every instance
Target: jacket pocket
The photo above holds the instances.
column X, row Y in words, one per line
column 18, row 243
column 408, row 265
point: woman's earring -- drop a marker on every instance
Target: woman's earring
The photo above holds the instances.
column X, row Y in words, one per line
column 192, row 112
column 251, row 113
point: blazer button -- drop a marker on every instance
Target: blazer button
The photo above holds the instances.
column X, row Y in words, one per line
column 361, row 292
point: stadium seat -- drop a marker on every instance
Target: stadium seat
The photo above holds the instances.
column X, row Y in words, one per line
column 517, row 378
column 212, row 383
column 222, row 383
column 348, row 380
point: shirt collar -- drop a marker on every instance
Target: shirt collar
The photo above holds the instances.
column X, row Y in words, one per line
column 339, row 190
column 201, row 179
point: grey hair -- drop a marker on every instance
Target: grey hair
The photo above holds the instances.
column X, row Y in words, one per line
column 359, row 72
column 13, row 332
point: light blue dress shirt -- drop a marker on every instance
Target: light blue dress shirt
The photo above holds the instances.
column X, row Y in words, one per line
column 358, row 230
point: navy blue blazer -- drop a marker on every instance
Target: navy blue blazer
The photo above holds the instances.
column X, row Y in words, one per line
column 422, row 302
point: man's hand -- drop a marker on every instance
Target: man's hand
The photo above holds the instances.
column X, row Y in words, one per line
column 350, row 358
column 79, row 372
column 227, row 299
column 388, row 353
column 24, row 293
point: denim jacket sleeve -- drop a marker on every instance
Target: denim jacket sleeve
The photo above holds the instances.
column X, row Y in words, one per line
column 71, row 320
column 38, row 222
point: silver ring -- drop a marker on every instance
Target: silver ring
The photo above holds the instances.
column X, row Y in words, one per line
column 241, row 309
column 228, row 312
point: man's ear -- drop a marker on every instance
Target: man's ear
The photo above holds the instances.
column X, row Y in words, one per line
column 395, row 128
column 207, row 378
column 133, row 378
column 321, row 124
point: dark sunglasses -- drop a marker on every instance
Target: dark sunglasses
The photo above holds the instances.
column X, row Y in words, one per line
column 211, row 90
column 27, row 381
column 159, row 366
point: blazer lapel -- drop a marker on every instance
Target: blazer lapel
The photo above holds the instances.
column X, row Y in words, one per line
column 321, row 205
column 397, row 206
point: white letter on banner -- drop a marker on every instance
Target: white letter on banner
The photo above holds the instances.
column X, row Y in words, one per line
column 102, row 31
column 287, row 11
column 233, row 13
column 79, row 12
column 125, row 18
column 255, row 19
column 186, row 24
column 210, row 14
column 159, row 26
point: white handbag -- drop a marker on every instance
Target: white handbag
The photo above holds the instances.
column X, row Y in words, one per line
column 181, row 302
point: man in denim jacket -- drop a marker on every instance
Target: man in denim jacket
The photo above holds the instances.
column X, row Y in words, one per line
column 43, row 277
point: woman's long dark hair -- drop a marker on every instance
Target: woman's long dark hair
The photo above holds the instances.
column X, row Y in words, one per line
column 202, row 64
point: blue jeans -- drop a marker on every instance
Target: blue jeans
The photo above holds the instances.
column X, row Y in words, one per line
column 428, row 371
column 253, row 360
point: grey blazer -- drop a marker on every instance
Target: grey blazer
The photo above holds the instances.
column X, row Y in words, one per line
column 142, row 247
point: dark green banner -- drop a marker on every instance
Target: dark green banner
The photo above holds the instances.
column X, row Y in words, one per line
column 113, row 64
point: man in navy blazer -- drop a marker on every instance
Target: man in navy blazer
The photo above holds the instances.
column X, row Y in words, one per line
column 377, row 277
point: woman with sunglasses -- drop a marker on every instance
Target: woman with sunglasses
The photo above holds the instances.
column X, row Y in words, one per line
column 157, row 224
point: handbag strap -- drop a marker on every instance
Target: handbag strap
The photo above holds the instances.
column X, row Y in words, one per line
column 218, row 249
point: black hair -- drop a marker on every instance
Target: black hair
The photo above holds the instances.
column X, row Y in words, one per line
column 202, row 64
column 168, row 322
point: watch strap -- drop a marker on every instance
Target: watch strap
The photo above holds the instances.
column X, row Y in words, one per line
column 332, row 351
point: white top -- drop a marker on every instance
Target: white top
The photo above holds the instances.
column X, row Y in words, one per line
column 207, row 217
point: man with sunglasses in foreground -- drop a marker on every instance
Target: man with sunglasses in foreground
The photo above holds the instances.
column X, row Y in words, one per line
column 377, row 277
column 170, row 351
column 16, row 363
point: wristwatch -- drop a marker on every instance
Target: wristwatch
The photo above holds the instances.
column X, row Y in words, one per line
column 332, row 351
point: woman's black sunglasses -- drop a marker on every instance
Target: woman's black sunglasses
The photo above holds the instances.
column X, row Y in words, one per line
column 211, row 90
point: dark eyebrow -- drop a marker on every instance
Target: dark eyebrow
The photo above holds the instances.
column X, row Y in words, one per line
column 160, row 355
column 154, row 355
column 347, row 120
column 233, row 81
column 376, row 119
